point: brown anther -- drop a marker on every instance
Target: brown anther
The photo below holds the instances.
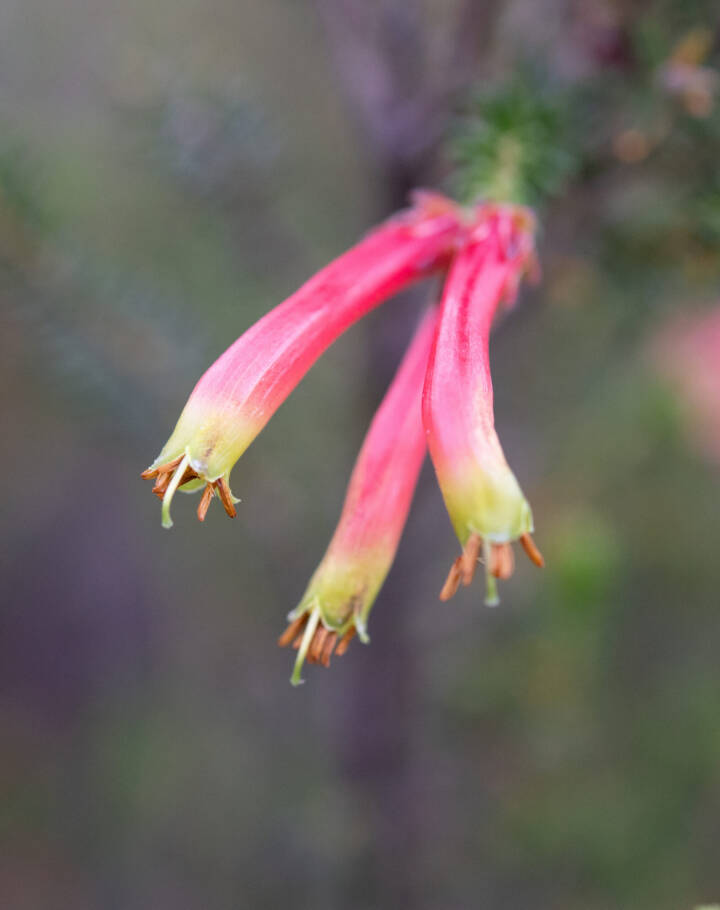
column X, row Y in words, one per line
column 469, row 559
column 225, row 497
column 164, row 476
column 170, row 466
column 166, row 468
column 318, row 644
column 452, row 582
column 188, row 475
column 327, row 650
column 528, row 544
column 502, row 561
column 292, row 631
column 205, row 501
column 496, row 557
column 161, row 484
column 509, row 567
column 345, row 641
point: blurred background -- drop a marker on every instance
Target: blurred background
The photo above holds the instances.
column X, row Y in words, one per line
column 168, row 172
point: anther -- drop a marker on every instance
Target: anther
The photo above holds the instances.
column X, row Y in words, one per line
column 166, row 468
column 225, row 497
column 345, row 641
column 205, row 501
column 528, row 544
column 502, row 561
column 295, row 627
column 161, row 484
column 452, row 582
column 318, row 643
column 330, row 642
column 469, row 559
column 188, row 475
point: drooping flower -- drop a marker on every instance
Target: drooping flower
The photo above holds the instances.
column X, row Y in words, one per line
column 239, row 393
column 486, row 505
column 341, row 592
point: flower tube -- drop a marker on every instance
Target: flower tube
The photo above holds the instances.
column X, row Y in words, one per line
column 239, row 393
column 338, row 599
column 482, row 496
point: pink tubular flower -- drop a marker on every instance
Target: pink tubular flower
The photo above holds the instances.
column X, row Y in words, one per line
column 482, row 496
column 345, row 584
column 239, row 393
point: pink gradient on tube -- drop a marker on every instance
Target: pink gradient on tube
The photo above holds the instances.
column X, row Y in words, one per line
column 385, row 474
column 256, row 373
column 458, row 394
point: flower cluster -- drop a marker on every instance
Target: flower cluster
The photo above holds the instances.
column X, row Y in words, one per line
column 441, row 399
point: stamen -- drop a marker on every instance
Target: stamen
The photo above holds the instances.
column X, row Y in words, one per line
column 225, row 497
column 188, row 475
column 318, row 643
column 328, row 649
column 166, row 468
column 161, row 484
column 509, row 566
column 312, row 622
column 345, row 642
column 469, row 559
column 452, row 582
column 170, row 492
column 528, row 544
column 491, row 593
column 205, row 501
column 292, row 630
column 503, row 561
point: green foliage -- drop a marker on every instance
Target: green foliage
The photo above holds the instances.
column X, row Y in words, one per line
column 513, row 145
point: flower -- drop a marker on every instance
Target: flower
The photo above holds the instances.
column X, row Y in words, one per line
column 485, row 503
column 441, row 398
column 341, row 592
column 239, row 393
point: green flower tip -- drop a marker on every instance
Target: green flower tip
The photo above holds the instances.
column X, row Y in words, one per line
column 180, row 474
column 315, row 641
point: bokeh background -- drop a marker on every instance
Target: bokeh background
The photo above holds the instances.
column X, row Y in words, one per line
column 168, row 172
